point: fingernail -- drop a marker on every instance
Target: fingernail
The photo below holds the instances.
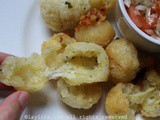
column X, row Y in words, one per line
column 23, row 98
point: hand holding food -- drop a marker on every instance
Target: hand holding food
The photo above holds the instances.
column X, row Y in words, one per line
column 28, row 74
column 76, row 63
column 82, row 63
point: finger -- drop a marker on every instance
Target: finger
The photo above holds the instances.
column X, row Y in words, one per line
column 3, row 56
column 12, row 107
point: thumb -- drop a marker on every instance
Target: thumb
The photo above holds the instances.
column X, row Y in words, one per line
column 12, row 107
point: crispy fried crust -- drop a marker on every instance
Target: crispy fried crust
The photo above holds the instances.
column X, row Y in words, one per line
column 127, row 99
column 94, row 28
column 27, row 74
column 81, row 97
column 124, row 63
column 151, row 105
column 60, row 15
column 117, row 104
column 53, row 48
column 101, row 33
column 85, row 63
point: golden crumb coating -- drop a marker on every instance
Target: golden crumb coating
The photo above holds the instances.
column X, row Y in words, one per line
column 85, row 63
column 60, row 15
column 124, row 63
column 27, row 74
column 81, row 97
column 53, row 48
column 126, row 100
column 117, row 104
column 100, row 33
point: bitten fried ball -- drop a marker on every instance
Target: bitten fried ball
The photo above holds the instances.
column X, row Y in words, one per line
column 124, row 63
column 81, row 97
column 53, row 48
column 143, row 97
column 100, row 33
column 60, row 15
column 125, row 100
column 27, row 74
column 151, row 105
column 117, row 104
column 85, row 63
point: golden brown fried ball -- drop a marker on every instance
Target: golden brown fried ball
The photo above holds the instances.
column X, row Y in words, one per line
column 60, row 15
column 125, row 100
column 117, row 104
column 85, row 63
column 151, row 104
column 27, row 74
column 81, row 97
column 124, row 63
column 100, row 33
column 53, row 48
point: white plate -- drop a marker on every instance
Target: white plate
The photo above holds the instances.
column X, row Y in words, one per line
column 21, row 33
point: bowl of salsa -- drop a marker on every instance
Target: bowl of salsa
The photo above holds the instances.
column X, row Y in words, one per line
column 139, row 22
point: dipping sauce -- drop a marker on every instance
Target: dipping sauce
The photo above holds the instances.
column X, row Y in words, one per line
column 146, row 15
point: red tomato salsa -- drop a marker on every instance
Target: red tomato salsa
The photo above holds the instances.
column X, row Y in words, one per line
column 146, row 15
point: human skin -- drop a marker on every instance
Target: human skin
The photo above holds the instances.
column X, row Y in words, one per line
column 12, row 107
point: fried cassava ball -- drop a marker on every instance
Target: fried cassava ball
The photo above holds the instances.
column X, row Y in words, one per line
column 81, row 97
column 124, row 62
